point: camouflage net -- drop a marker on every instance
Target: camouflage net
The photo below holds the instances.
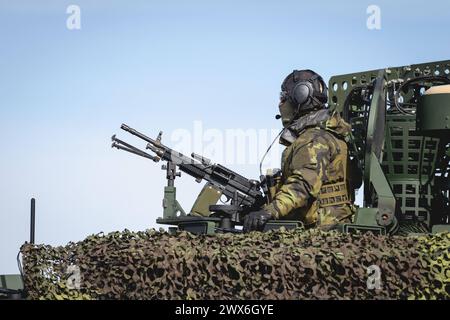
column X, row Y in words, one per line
column 279, row 264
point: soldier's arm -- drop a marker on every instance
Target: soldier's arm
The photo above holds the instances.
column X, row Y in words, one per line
column 308, row 165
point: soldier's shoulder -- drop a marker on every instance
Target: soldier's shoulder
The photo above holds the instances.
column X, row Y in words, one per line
column 311, row 135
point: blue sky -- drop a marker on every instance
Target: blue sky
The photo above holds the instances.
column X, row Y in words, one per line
column 161, row 66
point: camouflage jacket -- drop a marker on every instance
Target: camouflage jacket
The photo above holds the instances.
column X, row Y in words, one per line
column 315, row 158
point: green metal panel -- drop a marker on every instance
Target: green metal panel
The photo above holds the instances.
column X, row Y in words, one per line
column 414, row 163
column 374, row 180
column 172, row 209
column 277, row 224
column 366, row 216
column 409, row 160
column 385, row 198
column 200, row 227
column 11, row 281
column 440, row 228
column 208, row 196
column 365, row 221
column 433, row 114
column 340, row 86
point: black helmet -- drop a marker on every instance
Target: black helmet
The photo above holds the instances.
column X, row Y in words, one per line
column 305, row 89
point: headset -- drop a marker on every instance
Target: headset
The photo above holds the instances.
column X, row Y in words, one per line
column 304, row 92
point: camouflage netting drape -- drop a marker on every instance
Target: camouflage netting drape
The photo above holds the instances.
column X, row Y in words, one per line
column 279, row 264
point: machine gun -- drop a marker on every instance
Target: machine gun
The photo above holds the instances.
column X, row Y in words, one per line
column 242, row 195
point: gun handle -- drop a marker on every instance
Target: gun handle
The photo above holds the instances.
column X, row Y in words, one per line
column 272, row 183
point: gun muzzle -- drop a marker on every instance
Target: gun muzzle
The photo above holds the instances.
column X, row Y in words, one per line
column 142, row 136
column 125, row 127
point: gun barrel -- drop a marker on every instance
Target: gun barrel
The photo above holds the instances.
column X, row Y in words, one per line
column 135, row 151
column 118, row 141
column 142, row 136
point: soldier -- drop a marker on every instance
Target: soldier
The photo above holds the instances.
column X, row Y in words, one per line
column 314, row 186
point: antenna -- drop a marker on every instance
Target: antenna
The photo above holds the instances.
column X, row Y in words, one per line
column 32, row 220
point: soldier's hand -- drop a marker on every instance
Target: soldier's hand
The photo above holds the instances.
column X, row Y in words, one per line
column 256, row 220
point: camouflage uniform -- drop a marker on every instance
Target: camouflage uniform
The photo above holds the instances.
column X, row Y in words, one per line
column 314, row 186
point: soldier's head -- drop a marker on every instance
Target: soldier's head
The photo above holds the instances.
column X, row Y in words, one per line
column 302, row 91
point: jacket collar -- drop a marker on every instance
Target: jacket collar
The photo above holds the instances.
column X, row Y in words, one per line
column 312, row 119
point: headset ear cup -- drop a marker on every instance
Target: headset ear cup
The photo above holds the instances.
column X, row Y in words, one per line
column 301, row 93
column 306, row 90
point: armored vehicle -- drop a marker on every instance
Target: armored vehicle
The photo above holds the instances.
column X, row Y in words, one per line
column 400, row 119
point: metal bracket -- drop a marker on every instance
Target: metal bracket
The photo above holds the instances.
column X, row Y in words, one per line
column 171, row 206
